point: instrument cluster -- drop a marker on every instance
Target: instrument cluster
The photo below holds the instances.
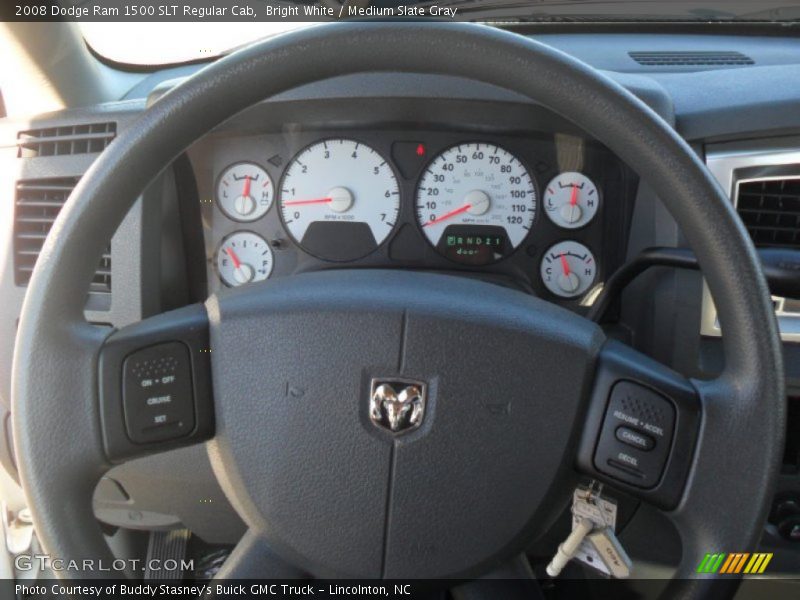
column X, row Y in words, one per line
column 533, row 208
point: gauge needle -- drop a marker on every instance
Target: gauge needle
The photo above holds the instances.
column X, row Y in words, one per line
column 574, row 198
column 565, row 265
column 447, row 215
column 246, row 190
column 315, row 201
column 237, row 264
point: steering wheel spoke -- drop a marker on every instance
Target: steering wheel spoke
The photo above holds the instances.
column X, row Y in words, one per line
column 641, row 427
column 154, row 382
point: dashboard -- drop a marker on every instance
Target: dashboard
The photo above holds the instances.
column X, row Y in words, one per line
column 545, row 211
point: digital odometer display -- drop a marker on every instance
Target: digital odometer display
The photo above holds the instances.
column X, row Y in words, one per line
column 473, row 245
column 476, row 203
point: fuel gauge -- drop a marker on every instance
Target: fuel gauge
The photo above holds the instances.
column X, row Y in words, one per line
column 243, row 257
column 568, row 269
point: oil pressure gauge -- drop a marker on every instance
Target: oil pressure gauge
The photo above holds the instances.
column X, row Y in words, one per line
column 243, row 257
column 571, row 200
column 568, row 269
column 244, row 192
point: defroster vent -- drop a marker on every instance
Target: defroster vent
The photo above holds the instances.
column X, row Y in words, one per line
column 691, row 58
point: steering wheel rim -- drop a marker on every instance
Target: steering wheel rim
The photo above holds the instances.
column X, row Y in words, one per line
column 60, row 448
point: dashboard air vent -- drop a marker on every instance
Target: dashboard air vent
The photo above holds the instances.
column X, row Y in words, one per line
column 37, row 204
column 691, row 59
column 72, row 139
column 770, row 209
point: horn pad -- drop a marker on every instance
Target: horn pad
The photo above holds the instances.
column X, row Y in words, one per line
column 339, row 473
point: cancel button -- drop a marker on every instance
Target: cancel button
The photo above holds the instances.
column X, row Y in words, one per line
column 634, row 438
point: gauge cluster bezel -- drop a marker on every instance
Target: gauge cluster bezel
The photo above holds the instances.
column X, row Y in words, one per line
column 544, row 153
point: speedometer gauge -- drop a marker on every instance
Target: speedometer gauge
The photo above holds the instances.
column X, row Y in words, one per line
column 476, row 203
column 339, row 199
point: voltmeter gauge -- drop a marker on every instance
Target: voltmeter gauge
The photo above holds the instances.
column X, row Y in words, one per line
column 244, row 257
column 244, row 192
column 571, row 200
column 568, row 269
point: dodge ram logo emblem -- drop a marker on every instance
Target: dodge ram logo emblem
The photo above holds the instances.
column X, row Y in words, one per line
column 397, row 405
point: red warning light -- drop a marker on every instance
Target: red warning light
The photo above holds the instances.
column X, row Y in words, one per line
column 420, row 149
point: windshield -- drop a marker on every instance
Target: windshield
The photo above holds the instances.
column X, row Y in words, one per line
column 139, row 43
column 202, row 33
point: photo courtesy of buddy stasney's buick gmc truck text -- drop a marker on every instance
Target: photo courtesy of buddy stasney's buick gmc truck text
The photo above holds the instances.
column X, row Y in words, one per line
column 211, row 590
column 460, row 300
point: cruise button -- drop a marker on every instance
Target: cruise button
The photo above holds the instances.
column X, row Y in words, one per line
column 634, row 438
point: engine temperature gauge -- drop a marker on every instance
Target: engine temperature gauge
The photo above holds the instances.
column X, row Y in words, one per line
column 244, row 192
column 568, row 269
column 571, row 200
column 243, row 257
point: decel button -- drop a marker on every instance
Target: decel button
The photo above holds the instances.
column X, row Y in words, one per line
column 634, row 438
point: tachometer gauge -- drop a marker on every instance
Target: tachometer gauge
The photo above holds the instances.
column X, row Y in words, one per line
column 571, row 200
column 244, row 192
column 476, row 203
column 339, row 199
column 243, row 257
column 568, row 269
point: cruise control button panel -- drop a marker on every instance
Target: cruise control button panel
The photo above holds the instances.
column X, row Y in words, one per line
column 157, row 393
column 636, row 435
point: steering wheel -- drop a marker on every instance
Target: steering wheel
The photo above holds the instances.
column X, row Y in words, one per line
column 505, row 429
